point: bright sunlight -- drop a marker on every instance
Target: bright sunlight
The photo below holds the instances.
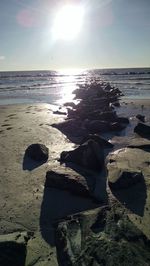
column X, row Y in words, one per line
column 68, row 22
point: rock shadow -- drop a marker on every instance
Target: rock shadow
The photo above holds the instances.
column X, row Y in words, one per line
column 134, row 198
column 58, row 204
column 29, row 164
column 12, row 253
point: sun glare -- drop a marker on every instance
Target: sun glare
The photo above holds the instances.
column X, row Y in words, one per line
column 68, row 22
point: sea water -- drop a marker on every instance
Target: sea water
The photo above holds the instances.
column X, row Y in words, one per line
column 56, row 87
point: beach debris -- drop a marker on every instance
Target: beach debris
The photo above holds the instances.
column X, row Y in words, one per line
column 37, row 152
column 69, row 180
column 142, row 130
column 141, row 117
column 126, row 179
column 89, row 155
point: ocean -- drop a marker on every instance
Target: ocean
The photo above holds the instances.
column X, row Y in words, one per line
column 55, row 87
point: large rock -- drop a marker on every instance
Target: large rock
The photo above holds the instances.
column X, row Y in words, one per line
column 67, row 179
column 100, row 140
column 116, row 126
column 123, row 120
column 141, row 117
column 89, row 155
column 96, row 126
column 103, row 236
column 126, row 179
column 71, row 127
column 129, row 180
column 37, row 152
column 142, row 130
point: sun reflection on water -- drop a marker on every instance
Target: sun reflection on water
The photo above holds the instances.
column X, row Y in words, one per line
column 70, row 79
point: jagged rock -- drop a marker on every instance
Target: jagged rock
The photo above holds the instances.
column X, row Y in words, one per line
column 71, row 104
column 70, row 180
column 96, row 126
column 70, row 127
column 141, row 117
column 37, row 152
column 101, row 141
column 123, row 120
column 131, row 167
column 88, row 155
column 59, row 112
column 103, row 236
column 142, row 130
column 116, row 104
column 108, row 116
column 126, row 179
column 116, row 126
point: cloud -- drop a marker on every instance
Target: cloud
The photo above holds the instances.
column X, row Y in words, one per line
column 2, row 57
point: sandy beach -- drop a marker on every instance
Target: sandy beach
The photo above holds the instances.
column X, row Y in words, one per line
column 25, row 203
column 27, row 206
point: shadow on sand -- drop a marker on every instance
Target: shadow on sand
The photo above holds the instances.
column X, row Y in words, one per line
column 134, row 198
column 29, row 164
column 57, row 204
column 12, row 253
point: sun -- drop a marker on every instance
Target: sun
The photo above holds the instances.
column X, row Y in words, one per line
column 68, row 22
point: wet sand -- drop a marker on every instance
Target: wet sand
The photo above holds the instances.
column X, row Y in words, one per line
column 26, row 206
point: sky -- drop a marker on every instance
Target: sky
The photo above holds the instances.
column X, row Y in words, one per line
column 114, row 34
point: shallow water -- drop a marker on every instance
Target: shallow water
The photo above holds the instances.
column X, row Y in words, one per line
column 56, row 87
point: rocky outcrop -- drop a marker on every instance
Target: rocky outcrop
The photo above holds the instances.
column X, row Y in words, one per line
column 129, row 178
column 126, row 179
column 71, row 127
column 141, row 117
column 71, row 181
column 142, row 130
column 96, row 126
column 89, row 155
column 37, row 152
column 100, row 140
column 103, row 236
column 94, row 112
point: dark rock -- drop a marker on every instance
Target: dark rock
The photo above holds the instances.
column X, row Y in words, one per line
column 116, row 126
column 71, row 104
column 71, row 181
column 97, row 126
column 37, row 152
column 108, row 87
column 142, row 130
column 123, row 120
column 108, row 116
column 141, row 117
column 116, row 104
column 126, row 179
column 70, row 127
column 103, row 236
column 59, row 112
column 88, row 155
column 101, row 141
